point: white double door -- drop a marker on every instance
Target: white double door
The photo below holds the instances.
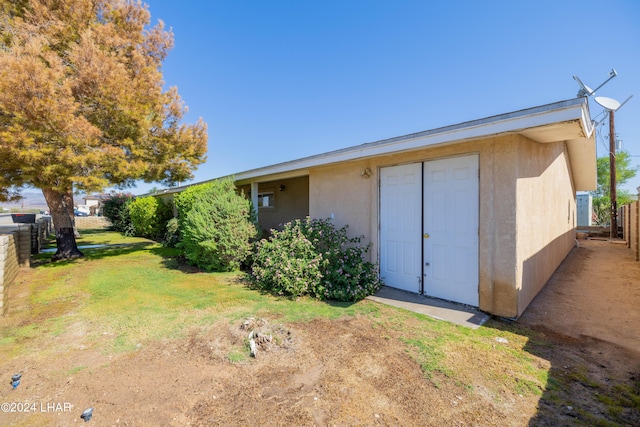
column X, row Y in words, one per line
column 429, row 215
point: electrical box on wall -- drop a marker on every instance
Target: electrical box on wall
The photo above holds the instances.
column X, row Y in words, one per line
column 585, row 210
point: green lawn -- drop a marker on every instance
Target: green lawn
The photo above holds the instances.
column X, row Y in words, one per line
column 139, row 291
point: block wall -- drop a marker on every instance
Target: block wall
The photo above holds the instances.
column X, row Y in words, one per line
column 15, row 253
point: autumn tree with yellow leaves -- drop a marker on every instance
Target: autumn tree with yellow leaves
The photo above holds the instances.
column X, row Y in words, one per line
column 82, row 104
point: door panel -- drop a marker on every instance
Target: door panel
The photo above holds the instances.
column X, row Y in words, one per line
column 451, row 213
column 401, row 226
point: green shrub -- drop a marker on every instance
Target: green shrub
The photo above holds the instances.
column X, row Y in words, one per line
column 117, row 210
column 216, row 229
column 149, row 216
column 288, row 264
column 312, row 257
column 172, row 234
column 184, row 200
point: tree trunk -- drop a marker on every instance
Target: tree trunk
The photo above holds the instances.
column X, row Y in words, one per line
column 61, row 209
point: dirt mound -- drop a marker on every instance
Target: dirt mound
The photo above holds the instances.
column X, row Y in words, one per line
column 324, row 372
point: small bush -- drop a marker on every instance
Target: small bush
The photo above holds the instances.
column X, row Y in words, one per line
column 288, row 263
column 216, row 229
column 172, row 234
column 117, row 210
column 149, row 216
column 312, row 257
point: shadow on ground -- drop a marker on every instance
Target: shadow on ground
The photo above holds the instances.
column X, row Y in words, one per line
column 103, row 251
column 585, row 324
column 590, row 381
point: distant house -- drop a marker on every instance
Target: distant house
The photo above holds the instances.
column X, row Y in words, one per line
column 93, row 202
column 480, row 213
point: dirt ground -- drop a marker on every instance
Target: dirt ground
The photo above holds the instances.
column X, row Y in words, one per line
column 590, row 309
column 594, row 294
column 344, row 372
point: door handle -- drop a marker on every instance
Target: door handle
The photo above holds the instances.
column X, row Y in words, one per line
column 425, row 235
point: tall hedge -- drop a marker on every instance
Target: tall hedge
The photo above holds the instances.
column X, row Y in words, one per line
column 116, row 209
column 184, row 199
column 149, row 216
column 216, row 225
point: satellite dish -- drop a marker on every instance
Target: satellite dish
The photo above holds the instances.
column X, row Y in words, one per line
column 610, row 103
column 586, row 90
column 607, row 103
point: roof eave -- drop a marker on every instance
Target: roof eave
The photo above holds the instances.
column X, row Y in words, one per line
column 567, row 121
column 574, row 113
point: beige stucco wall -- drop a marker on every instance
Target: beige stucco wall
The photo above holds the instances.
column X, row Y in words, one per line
column 342, row 192
column 292, row 202
column 527, row 210
column 546, row 214
column 497, row 234
column 519, row 180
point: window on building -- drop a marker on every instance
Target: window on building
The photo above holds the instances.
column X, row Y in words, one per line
column 266, row 199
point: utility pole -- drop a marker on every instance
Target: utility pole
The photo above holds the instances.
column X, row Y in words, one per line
column 612, row 174
column 610, row 105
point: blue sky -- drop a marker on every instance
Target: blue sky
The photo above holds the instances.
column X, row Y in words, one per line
column 281, row 80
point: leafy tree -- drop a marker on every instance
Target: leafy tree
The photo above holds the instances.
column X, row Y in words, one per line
column 602, row 195
column 82, row 104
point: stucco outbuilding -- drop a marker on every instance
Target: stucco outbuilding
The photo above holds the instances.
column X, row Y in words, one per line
column 480, row 213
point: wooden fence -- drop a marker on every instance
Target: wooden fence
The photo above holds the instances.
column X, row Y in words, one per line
column 86, row 222
column 629, row 216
